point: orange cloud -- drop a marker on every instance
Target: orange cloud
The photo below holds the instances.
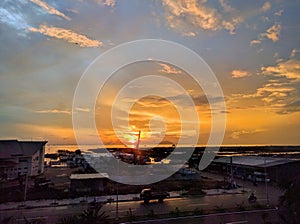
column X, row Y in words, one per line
column 68, row 35
column 289, row 69
column 273, row 32
column 281, row 92
column 187, row 17
column 167, row 69
column 240, row 74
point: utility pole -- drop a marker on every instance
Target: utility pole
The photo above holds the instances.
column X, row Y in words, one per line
column 231, row 170
column 25, row 190
column 138, row 141
column 136, row 150
column 26, row 180
column 117, row 201
column 266, row 182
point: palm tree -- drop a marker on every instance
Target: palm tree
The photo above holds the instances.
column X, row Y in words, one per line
column 93, row 215
column 70, row 220
column 88, row 216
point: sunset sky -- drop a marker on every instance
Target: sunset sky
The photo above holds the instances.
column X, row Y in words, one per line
column 253, row 48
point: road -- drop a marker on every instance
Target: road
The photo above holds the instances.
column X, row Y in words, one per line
column 138, row 208
column 183, row 204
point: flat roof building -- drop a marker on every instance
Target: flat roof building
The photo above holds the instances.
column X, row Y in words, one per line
column 254, row 161
column 88, row 183
column 256, row 167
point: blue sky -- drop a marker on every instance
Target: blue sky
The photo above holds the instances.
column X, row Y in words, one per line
column 253, row 47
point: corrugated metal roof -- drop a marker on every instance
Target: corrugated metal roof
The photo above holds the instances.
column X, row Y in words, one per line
column 254, row 161
column 88, row 176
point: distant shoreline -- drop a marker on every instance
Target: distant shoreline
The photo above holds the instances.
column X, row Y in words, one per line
column 236, row 149
column 167, row 146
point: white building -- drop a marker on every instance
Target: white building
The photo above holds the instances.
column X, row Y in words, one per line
column 21, row 157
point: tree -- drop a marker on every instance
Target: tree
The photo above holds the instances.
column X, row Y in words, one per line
column 93, row 215
column 290, row 200
column 78, row 152
column 6, row 220
column 88, row 216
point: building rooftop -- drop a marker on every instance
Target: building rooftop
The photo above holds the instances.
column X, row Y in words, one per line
column 88, row 176
column 254, row 161
column 12, row 148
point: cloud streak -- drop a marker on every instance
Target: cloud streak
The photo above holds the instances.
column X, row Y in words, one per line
column 50, row 9
column 67, row 35
column 54, row 111
column 15, row 20
column 240, row 133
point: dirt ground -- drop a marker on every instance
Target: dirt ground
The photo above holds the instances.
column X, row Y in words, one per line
column 166, row 185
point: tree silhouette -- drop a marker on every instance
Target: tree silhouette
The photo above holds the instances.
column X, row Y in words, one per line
column 290, row 200
column 88, row 216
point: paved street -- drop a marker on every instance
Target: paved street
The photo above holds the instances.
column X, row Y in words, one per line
column 183, row 204
column 138, row 208
column 215, row 198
